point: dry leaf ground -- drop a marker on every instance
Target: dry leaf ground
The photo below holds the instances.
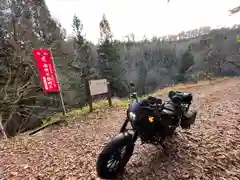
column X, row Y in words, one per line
column 209, row 150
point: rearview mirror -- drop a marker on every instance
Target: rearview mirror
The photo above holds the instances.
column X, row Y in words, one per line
column 133, row 95
column 132, row 84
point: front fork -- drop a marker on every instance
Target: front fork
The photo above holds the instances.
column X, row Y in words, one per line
column 133, row 132
column 123, row 128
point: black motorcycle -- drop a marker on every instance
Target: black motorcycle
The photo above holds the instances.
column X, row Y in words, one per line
column 152, row 120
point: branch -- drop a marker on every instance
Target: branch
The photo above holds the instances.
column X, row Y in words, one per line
column 20, row 89
column 7, row 84
column 232, row 62
column 25, row 119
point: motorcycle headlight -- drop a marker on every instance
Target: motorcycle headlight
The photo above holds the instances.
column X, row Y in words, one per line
column 132, row 116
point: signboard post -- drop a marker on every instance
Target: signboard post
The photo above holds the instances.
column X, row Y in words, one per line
column 47, row 72
column 98, row 87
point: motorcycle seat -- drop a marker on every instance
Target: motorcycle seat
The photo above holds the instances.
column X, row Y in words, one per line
column 177, row 96
column 169, row 106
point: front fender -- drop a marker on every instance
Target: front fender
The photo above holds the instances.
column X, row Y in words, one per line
column 118, row 140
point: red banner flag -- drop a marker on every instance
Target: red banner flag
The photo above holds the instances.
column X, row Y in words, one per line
column 46, row 70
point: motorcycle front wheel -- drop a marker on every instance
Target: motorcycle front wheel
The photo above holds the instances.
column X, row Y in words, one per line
column 112, row 160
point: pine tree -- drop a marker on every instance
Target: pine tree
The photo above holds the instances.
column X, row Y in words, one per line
column 82, row 48
column 109, row 64
column 82, row 62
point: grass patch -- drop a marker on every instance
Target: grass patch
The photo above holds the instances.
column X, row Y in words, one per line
column 102, row 105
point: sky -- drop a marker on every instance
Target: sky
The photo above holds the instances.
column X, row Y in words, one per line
column 143, row 17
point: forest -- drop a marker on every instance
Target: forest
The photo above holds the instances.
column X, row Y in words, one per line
column 150, row 63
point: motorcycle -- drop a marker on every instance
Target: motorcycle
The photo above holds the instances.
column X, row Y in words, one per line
column 152, row 120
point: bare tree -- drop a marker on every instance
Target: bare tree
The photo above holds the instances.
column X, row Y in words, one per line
column 20, row 89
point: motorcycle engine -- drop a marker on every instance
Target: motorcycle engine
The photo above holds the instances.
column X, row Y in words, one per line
column 162, row 124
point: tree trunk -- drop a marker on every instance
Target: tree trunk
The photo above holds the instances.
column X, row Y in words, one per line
column 2, row 129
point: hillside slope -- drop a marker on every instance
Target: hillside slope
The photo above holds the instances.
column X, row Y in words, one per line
column 209, row 150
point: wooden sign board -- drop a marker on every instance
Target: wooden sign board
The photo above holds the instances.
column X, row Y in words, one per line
column 99, row 86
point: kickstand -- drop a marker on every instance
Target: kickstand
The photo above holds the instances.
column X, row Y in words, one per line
column 162, row 142
column 164, row 147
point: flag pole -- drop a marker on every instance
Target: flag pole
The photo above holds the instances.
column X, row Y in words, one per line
column 60, row 90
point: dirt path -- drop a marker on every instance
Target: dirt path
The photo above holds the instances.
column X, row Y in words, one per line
column 210, row 150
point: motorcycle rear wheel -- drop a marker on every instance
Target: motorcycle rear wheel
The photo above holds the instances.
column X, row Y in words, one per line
column 112, row 160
